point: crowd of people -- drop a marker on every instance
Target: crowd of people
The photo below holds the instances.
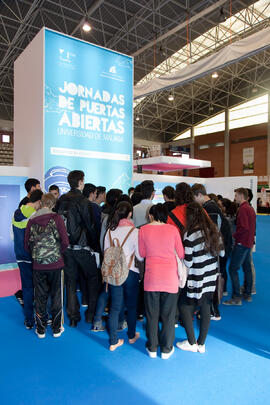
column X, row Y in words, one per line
column 129, row 257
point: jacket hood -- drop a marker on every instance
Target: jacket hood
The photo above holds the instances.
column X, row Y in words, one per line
column 43, row 216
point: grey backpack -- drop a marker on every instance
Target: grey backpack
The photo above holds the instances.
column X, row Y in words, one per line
column 115, row 268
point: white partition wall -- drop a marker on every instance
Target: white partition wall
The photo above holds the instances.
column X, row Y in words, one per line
column 226, row 186
column 217, row 185
column 73, row 110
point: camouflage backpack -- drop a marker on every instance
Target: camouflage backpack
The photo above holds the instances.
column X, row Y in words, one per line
column 44, row 243
column 114, row 268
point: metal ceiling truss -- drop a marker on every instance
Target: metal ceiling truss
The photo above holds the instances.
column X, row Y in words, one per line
column 152, row 31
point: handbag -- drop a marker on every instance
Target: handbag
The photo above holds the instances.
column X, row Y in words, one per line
column 182, row 271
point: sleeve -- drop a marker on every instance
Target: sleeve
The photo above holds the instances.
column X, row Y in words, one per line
column 142, row 248
column 26, row 236
column 63, row 233
column 106, row 240
column 136, row 244
column 188, row 251
column 179, row 246
column 89, row 223
column 103, row 232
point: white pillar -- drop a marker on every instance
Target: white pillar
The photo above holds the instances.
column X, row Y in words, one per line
column 227, row 144
column 192, row 144
column 268, row 138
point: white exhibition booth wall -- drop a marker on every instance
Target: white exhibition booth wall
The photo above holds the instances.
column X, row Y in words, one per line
column 217, row 185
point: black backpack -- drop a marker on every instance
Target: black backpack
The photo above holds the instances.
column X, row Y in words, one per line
column 70, row 212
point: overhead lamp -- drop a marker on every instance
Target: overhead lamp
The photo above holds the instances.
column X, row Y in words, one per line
column 137, row 118
column 171, row 97
column 215, row 75
column 222, row 17
column 86, row 26
column 254, row 89
column 211, row 108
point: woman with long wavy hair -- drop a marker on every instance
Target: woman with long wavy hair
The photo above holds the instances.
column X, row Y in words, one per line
column 203, row 245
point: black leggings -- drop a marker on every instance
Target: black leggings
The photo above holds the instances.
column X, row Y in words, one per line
column 186, row 314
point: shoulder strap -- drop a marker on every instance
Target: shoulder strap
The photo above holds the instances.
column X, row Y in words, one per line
column 176, row 221
column 126, row 238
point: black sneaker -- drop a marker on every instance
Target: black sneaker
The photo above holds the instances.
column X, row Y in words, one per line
column 247, row 298
column 28, row 325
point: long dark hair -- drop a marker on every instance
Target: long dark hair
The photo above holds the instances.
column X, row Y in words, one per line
column 121, row 212
column 198, row 220
column 183, row 194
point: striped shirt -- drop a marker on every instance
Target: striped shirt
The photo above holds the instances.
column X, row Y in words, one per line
column 203, row 267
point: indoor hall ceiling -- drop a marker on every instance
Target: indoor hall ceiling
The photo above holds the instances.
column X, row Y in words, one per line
column 129, row 26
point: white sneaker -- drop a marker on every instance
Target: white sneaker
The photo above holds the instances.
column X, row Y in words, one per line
column 166, row 356
column 184, row 345
column 153, row 355
column 201, row 348
column 40, row 335
column 58, row 334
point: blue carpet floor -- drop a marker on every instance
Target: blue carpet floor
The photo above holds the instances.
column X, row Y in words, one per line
column 79, row 369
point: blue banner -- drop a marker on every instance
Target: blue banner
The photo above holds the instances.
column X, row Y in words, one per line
column 88, row 113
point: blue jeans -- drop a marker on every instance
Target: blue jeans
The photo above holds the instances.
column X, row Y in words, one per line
column 101, row 305
column 240, row 257
column 26, row 272
column 127, row 293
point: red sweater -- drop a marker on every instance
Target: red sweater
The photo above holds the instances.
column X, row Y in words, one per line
column 158, row 243
column 245, row 225
column 180, row 213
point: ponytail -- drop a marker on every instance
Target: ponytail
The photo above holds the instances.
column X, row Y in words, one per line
column 122, row 211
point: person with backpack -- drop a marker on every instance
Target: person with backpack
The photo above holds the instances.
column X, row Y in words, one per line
column 46, row 239
column 159, row 243
column 120, row 276
column 78, row 216
column 203, row 245
column 24, row 260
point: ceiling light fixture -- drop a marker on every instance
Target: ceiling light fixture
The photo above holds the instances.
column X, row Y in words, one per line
column 86, row 26
column 171, row 97
column 222, row 17
column 137, row 118
column 215, row 75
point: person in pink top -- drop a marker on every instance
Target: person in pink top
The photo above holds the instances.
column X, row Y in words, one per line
column 159, row 243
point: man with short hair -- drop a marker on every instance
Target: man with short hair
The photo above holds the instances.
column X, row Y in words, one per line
column 30, row 186
column 54, row 190
column 83, row 241
column 141, row 210
column 244, row 241
column 169, row 198
column 101, row 195
column 210, row 206
column 19, row 223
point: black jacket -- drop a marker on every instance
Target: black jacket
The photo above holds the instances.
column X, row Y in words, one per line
column 79, row 218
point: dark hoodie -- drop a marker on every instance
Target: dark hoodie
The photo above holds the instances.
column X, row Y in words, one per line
column 42, row 217
column 19, row 223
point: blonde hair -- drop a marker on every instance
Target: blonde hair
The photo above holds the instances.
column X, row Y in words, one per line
column 48, row 201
